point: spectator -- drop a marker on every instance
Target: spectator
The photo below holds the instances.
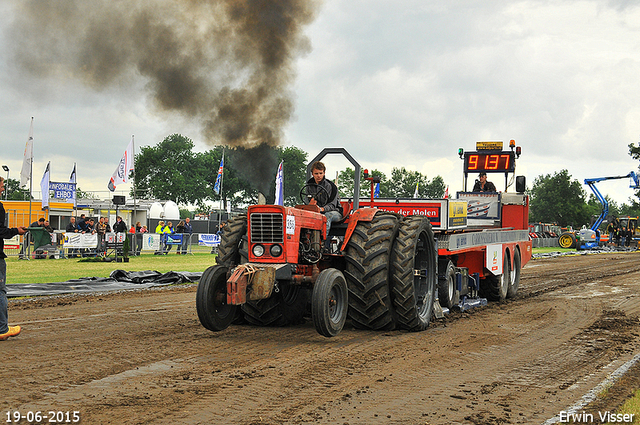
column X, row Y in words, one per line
column 47, row 226
column 188, row 231
column 120, row 226
column 6, row 331
column 168, row 230
column 72, row 227
column 180, row 230
column 160, row 231
column 82, row 225
column 39, row 223
column 101, row 230
column 138, row 231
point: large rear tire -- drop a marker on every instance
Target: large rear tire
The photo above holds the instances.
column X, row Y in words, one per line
column 494, row 287
column 229, row 251
column 285, row 307
column 329, row 302
column 414, row 273
column 567, row 240
column 514, row 282
column 211, row 299
column 367, row 272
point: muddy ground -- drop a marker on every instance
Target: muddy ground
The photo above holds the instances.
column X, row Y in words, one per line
column 142, row 357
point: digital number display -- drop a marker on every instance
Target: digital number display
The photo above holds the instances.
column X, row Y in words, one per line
column 489, row 162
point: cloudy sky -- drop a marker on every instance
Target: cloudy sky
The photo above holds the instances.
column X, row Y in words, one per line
column 397, row 83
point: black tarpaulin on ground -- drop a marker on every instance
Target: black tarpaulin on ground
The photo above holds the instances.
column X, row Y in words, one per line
column 118, row 280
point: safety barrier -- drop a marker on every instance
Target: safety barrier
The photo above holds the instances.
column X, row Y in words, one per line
column 76, row 245
column 544, row 242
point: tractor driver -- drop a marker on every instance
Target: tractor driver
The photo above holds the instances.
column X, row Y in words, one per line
column 482, row 185
column 329, row 206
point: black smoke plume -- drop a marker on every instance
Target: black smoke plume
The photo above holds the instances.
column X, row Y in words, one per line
column 224, row 64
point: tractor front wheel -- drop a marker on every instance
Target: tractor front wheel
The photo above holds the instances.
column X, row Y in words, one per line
column 329, row 302
column 211, row 299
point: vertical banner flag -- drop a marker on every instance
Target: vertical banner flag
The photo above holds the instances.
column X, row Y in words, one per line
column 415, row 194
column 279, row 186
column 72, row 179
column 121, row 175
column 446, row 192
column 44, row 187
column 25, row 173
column 376, row 192
column 216, row 187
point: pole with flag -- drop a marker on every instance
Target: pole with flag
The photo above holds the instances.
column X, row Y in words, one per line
column 446, row 192
column 72, row 179
column 217, row 187
column 415, row 194
column 279, row 186
column 126, row 165
column 27, row 166
column 44, row 186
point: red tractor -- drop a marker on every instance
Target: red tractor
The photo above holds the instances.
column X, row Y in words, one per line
column 382, row 270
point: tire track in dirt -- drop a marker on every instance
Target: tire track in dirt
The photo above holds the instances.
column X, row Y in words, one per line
column 144, row 358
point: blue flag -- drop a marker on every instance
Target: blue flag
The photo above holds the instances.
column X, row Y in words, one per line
column 216, row 187
column 376, row 192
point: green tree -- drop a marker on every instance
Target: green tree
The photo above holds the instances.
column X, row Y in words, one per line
column 346, row 182
column 403, row 184
column 294, row 171
column 13, row 191
column 170, row 170
column 559, row 199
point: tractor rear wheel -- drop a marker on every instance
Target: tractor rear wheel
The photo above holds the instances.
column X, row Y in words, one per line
column 494, row 287
column 414, row 273
column 514, row 281
column 211, row 299
column 329, row 302
column 367, row 272
column 229, row 252
column 567, row 240
column 285, row 307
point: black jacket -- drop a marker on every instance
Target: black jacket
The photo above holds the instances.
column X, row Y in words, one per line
column 5, row 232
column 330, row 203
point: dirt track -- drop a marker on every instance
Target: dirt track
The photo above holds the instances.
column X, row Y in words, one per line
column 142, row 357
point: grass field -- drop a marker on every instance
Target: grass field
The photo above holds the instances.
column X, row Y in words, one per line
column 61, row 270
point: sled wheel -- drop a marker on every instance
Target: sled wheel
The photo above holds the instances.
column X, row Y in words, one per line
column 495, row 287
column 211, row 299
column 329, row 302
column 514, row 281
column 447, row 293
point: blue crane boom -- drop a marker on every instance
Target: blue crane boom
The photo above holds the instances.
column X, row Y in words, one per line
column 634, row 183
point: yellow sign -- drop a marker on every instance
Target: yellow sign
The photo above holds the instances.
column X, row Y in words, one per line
column 457, row 213
column 489, row 146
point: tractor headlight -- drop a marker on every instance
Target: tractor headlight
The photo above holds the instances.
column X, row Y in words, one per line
column 258, row 250
column 275, row 250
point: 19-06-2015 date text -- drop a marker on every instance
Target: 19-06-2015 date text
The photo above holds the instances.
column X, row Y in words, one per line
column 50, row 416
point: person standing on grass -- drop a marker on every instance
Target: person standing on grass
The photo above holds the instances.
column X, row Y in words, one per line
column 6, row 331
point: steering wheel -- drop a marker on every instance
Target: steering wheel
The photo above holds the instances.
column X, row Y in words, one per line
column 306, row 197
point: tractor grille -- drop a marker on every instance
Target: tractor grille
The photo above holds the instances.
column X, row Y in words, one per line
column 267, row 228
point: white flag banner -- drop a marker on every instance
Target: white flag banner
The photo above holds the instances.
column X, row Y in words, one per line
column 279, row 186
column 44, row 187
column 121, row 175
column 25, row 173
column 72, row 179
